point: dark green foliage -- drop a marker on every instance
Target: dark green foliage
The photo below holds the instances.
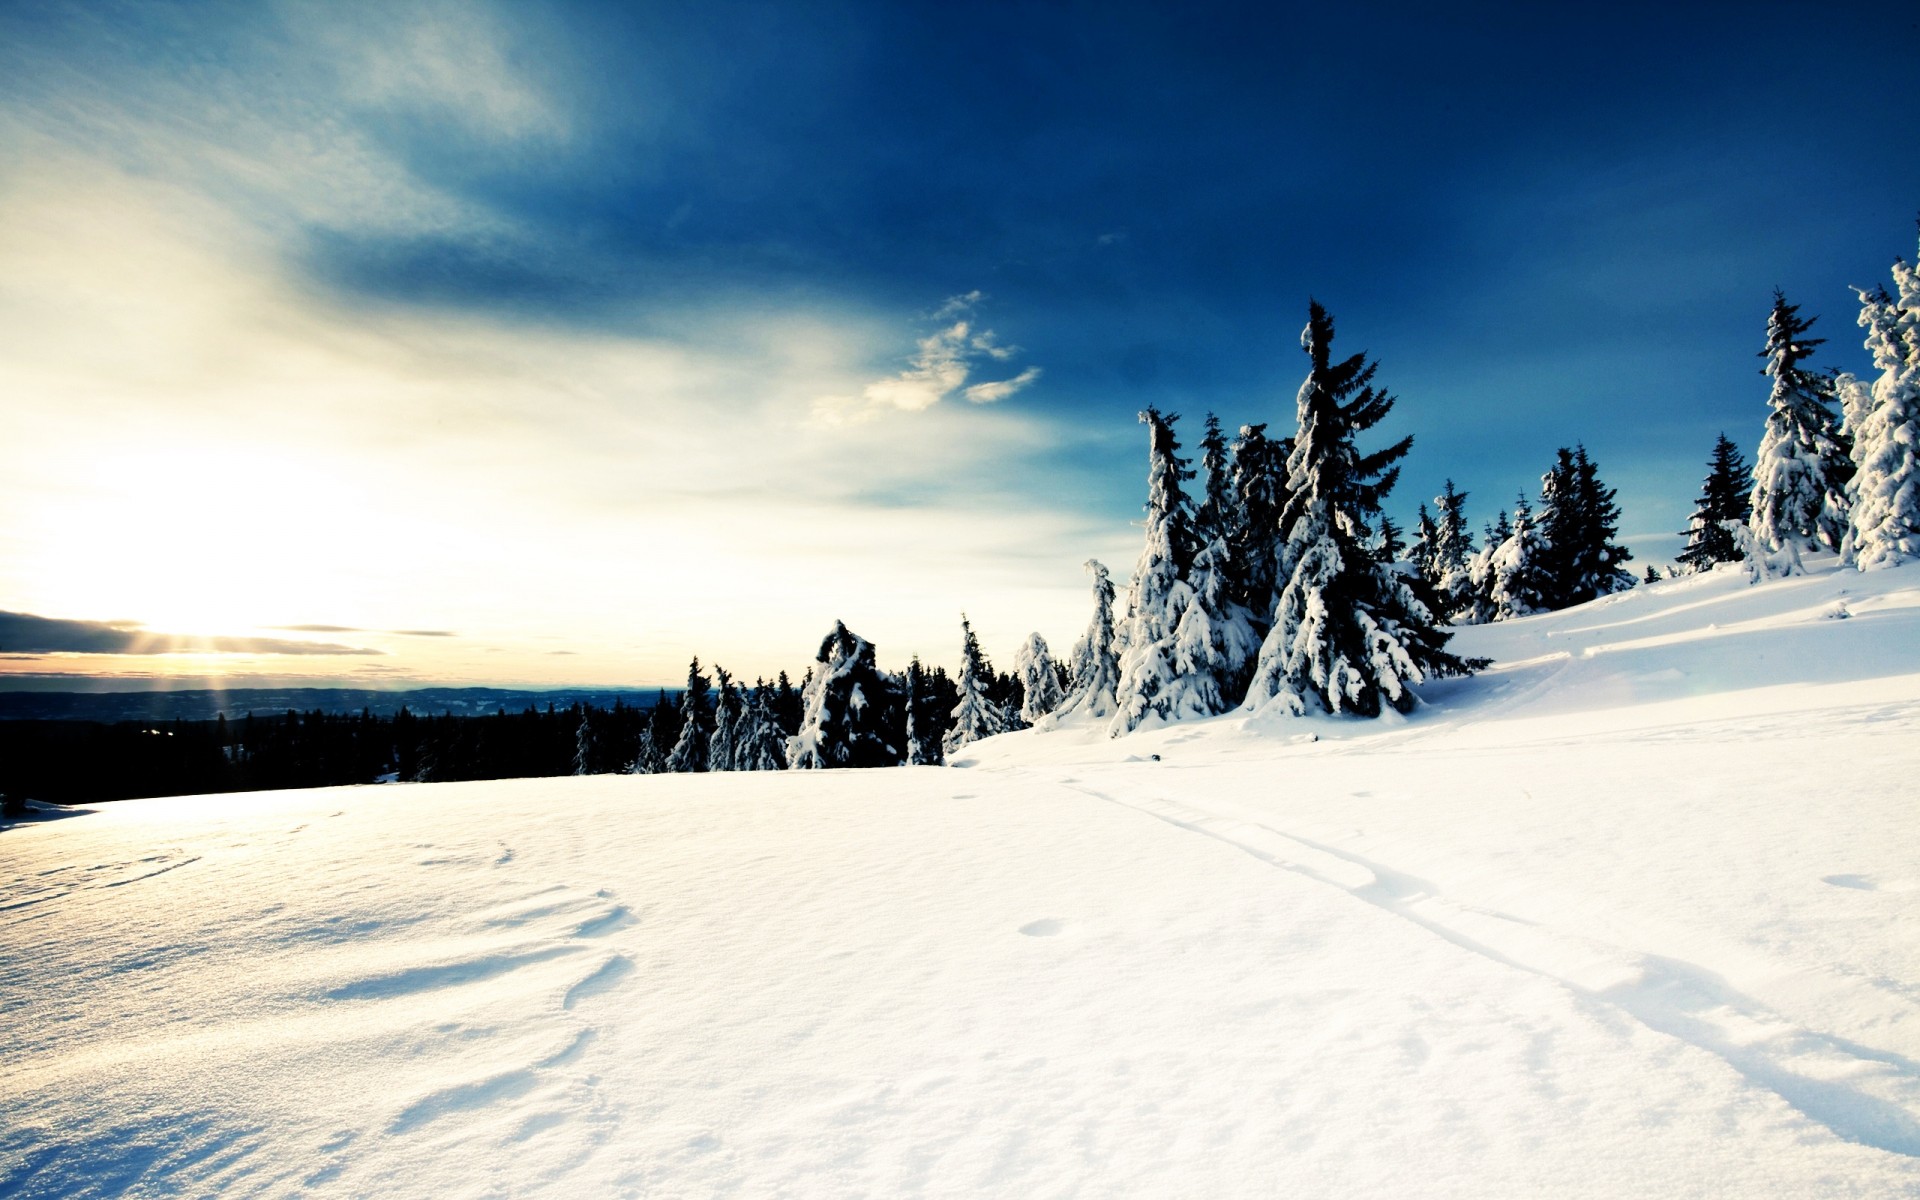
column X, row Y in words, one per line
column 1724, row 496
column 1579, row 521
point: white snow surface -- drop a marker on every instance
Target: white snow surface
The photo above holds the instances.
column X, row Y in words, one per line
column 1635, row 913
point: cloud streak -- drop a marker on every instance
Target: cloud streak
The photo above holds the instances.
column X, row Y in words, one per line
column 25, row 633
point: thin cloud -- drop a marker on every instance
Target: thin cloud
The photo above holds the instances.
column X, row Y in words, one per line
column 432, row 633
column 940, row 366
column 24, row 633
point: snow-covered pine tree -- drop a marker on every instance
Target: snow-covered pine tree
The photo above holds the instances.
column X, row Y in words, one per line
column 1652, row 575
column 1177, row 658
column 759, row 742
column 1479, row 608
column 582, row 743
column 1039, row 679
column 1422, row 554
column 1218, row 513
column 1884, row 526
column 1259, row 484
column 723, row 744
column 924, row 730
column 1578, row 523
column 696, row 724
column 1724, row 496
column 1095, row 669
column 847, row 707
column 1348, row 634
column 1516, row 584
column 1452, row 552
column 975, row 715
column 1801, row 472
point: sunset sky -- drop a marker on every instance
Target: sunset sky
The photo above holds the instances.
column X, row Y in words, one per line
column 554, row 343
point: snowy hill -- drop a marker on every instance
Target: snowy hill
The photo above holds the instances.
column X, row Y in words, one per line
column 1633, row 913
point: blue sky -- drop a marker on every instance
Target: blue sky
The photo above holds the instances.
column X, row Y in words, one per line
column 599, row 335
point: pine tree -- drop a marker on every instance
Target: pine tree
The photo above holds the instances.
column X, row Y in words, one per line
column 1391, row 544
column 1218, row 513
column 759, row 743
column 975, row 714
column 847, row 709
column 1095, row 669
column 924, row 747
column 1884, row 526
column 1182, row 650
column 1040, row 682
column 723, row 745
column 1578, row 522
column 1348, row 635
column 1259, row 474
column 786, row 705
column 1480, row 608
column 1516, row 582
column 1800, row 474
column 1422, row 554
column 1451, row 552
column 1724, row 496
column 582, row 743
column 689, row 752
column 1652, row 576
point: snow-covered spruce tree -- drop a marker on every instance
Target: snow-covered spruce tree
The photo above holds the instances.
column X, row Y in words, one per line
column 1884, row 526
column 976, row 715
column 1391, row 544
column 1578, row 523
column 583, row 743
column 1426, row 535
column 1516, row 584
column 723, row 744
column 1348, row 634
column 1724, row 496
column 689, row 752
column 1183, row 650
column 1452, row 552
column 1801, row 472
column 1095, row 668
column 1259, row 484
column 1218, row 511
column 1039, row 679
column 1479, row 608
column 924, row 729
column 759, row 742
column 847, row 706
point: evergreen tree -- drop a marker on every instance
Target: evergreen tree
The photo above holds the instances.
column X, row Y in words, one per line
column 1480, row 608
column 1451, row 552
column 1724, row 496
column 1096, row 668
column 1422, row 554
column 786, row 705
column 1516, row 583
column 976, row 714
column 1800, row 474
column 1884, row 526
column 759, row 743
column 1578, row 522
column 1652, row 576
column 1040, row 682
column 1391, row 544
column 924, row 730
column 582, row 742
column 1178, row 657
column 847, row 709
column 1218, row 514
column 723, row 745
column 689, row 753
column 1259, row 475
column 1348, row 635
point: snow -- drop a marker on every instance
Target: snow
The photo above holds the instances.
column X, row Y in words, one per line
column 1630, row 914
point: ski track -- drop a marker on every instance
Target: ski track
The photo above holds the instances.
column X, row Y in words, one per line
column 1810, row 1070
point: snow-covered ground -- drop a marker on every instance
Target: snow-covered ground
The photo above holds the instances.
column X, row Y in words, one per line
column 1636, row 913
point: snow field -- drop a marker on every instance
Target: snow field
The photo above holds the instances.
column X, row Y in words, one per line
column 1628, row 915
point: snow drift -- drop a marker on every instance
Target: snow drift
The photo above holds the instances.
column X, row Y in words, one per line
column 1632, row 913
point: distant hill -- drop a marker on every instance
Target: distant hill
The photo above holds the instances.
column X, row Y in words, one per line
column 207, row 704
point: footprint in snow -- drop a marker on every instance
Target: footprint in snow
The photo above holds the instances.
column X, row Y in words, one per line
column 1045, row 927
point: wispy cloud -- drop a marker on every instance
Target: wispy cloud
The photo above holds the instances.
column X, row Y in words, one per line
column 24, row 633
column 941, row 364
column 432, row 633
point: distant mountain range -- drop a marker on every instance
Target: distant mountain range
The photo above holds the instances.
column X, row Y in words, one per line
column 207, row 704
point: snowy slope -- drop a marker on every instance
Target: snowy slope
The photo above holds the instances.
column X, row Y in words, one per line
column 1632, row 914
